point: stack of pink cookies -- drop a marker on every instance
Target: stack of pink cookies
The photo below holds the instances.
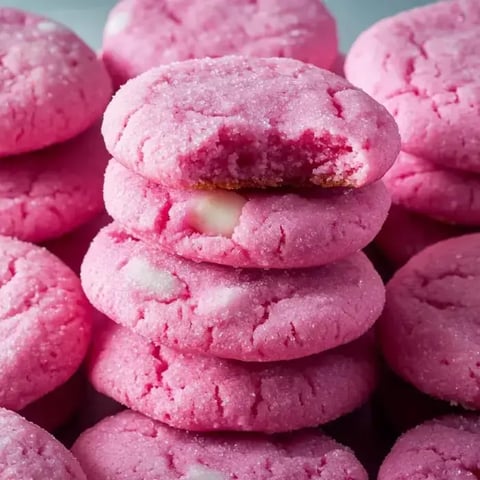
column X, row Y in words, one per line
column 423, row 66
column 225, row 162
column 143, row 34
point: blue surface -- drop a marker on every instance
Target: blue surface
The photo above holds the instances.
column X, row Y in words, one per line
column 87, row 17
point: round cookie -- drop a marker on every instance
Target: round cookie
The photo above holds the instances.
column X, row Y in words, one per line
column 405, row 63
column 429, row 328
column 48, row 193
column 279, row 229
column 447, row 195
column 248, row 315
column 142, row 34
column 45, row 323
column 442, row 449
column 130, row 446
column 199, row 393
column 52, row 85
column 28, row 452
column 237, row 122
column 405, row 233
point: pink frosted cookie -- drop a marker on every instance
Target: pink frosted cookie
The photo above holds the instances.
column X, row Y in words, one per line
column 443, row 449
column 29, row 453
column 199, row 393
column 429, row 328
column 406, row 63
column 142, row 34
column 130, row 446
column 279, row 229
column 48, row 193
column 52, row 86
column 249, row 122
column 406, row 233
column 249, row 315
column 447, row 195
column 45, row 323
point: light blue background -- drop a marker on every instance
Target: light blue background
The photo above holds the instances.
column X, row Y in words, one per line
column 87, row 17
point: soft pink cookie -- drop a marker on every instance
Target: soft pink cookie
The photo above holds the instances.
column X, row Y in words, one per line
column 447, row 195
column 52, row 86
column 279, row 229
column 199, row 393
column 429, row 328
column 406, row 233
column 142, row 34
column 29, row 453
column 48, row 193
column 249, row 315
column 130, row 446
column 406, row 63
column 45, row 323
column 236, row 122
column 443, row 449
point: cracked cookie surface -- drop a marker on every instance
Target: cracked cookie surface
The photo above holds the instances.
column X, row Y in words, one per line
column 52, row 85
column 236, row 122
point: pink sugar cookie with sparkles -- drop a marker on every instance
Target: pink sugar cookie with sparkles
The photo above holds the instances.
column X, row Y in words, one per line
column 45, row 323
column 249, row 315
column 29, row 453
column 47, row 193
column 405, row 233
column 444, row 194
column 142, row 34
column 423, row 65
column 129, row 446
column 52, row 85
column 198, row 393
column 443, row 449
column 429, row 328
column 273, row 229
column 237, row 122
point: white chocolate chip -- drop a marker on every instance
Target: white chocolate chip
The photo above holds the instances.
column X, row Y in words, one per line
column 160, row 282
column 47, row 26
column 199, row 472
column 217, row 299
column 117, row 23
column 216, row 213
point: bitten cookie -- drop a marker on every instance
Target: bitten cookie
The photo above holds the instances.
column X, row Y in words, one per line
column 249, row 315
column 199, row 393
column 442, row 449
column 447, row 195
column 48, row 193
column 45, row 323
column 429, row 329
column 406, row 63
column 28, row 452
column 237, row 122
column 52, row 84
column 142, row 34
column 273, row 229
column 129, row 446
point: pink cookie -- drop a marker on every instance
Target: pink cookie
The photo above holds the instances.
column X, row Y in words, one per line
column 444, row 449
column 130, row 446
column 29, row 453
column 249, row 122
column 429, row 328
column 405, row 233
column 45, row 323
column 279, row 229
column 142, row 34
column 48, row 193
column 248, row 315
column 406, row 63
column 199, row 393
column 447, row 195
column 338, row 66
column 52, row 84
